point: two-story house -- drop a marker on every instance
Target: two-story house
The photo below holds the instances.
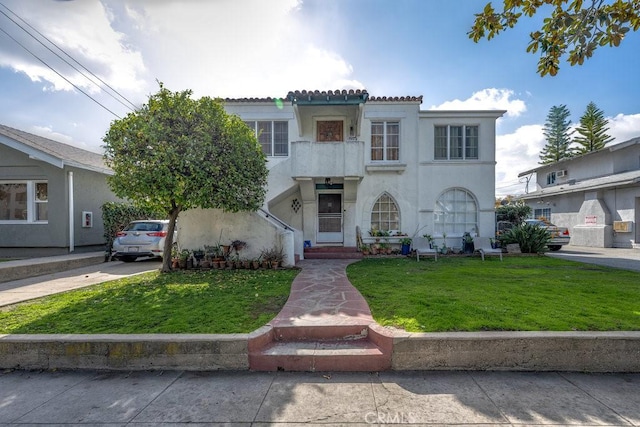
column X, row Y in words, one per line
column 342, row 163
column 595, row 195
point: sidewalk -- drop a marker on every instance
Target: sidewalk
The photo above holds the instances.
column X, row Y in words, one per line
column 321, row 399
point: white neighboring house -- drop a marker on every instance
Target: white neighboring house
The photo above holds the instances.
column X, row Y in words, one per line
column 342, row 161
column 595, row 195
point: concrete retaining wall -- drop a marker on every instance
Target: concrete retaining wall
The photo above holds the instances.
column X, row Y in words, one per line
column 518, row 351
column 125, row 352
column 513, row 351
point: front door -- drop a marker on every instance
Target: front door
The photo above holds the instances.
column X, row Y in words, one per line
column 329, row 218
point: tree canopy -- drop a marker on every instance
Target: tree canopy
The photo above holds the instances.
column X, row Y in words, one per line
column 578, row 27
column 592, row 130
column 176, row 153
column 556, row 132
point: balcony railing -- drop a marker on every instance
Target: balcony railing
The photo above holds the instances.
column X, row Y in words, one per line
column 328, row 159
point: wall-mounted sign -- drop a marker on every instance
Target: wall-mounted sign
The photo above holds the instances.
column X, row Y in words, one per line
column 591, row 220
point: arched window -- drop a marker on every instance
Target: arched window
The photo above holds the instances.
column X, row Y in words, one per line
column 456, row 211
column 385, row 214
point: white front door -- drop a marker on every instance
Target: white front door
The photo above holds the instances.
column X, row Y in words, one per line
column 329, row 218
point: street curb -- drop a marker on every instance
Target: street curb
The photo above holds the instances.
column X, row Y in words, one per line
column 23, row 269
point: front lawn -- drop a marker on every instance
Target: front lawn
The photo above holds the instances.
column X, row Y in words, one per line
column 211, row 302
column 452, row 294
column 520, row 294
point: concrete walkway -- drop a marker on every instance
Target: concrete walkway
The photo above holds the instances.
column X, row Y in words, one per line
column 320, row 399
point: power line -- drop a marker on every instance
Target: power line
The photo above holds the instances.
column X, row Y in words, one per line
column 63, row 77
column 131, row 105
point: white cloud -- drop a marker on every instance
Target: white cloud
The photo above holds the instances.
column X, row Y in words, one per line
column 81, row 29
column 516, row 153
column 624, row 127
column 488, row 99
column 237, row 49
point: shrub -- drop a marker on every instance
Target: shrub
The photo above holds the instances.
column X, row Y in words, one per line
column 116, row 216
column 530, row 237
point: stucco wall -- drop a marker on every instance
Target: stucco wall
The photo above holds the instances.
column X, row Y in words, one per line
column 200, row 227
column 90, row 192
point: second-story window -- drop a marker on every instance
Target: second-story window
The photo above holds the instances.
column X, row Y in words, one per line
column 456, row 142
column 385, row 141
column 551, row 178
column 273, row 136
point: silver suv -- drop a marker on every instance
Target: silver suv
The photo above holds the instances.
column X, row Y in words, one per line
column 144, row 238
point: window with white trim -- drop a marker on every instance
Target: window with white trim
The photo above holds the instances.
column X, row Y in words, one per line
column 385, row 141
column 273, row 136
column 455, row 213
column 385, row 214
column 551, row 178
column 23, row 201
column 542, row 213
column 456, row 142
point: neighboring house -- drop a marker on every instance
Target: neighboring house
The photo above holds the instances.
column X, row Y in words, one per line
column 50, row 196
column 343, row 161
column 596, row 195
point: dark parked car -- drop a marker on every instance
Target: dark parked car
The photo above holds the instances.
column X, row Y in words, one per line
column 144, row 238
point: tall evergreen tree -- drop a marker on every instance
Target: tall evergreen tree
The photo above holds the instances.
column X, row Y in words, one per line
column 592, row 130
column 557, row 134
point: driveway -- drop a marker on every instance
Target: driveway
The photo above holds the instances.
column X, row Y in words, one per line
column 48, row 284
column 628, row 259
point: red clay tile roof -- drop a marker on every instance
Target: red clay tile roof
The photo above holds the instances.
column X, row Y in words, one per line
column 339, row 92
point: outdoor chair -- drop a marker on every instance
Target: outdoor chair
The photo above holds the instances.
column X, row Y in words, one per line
column 483, row 245
column 421, row 246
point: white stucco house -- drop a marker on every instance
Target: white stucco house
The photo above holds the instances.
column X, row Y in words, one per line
column 595, row 195
column 343, row 161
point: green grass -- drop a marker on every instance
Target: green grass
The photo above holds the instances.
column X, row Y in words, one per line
column 452, row 294
column 519, row 294
column 182, row 302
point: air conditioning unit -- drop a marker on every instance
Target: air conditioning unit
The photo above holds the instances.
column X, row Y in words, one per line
column 561, row 173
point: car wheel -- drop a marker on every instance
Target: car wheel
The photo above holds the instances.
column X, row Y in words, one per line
column 128, row 258
column 555, row 247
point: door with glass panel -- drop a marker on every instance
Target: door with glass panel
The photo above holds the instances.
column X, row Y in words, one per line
column 329, row 218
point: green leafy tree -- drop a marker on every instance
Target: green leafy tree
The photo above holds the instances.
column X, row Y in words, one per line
column 176, row 153
column 593, row 130
column 515, row 212
column 558, row 135
column 578, row 27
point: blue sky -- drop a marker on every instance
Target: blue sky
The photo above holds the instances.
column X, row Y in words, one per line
column 255, row 48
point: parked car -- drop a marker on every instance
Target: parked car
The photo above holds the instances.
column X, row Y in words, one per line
column 143, row 238
column 559, row 235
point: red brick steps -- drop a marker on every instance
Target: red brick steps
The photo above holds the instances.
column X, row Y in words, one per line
column 332, row 252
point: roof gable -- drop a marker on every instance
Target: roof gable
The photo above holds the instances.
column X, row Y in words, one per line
column 52, row 152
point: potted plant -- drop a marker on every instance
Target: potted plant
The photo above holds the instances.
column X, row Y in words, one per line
column 406, row 245
column 467, row 243
column 183, row 257
column 384, row 248
column 429, row 238
column 365, row 249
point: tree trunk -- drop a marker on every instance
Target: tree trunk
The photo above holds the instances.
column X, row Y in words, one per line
column 168, row 242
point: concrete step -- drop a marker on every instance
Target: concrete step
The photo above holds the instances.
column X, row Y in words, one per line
column 332, row 252
column 320, row 332
column 360, row 355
